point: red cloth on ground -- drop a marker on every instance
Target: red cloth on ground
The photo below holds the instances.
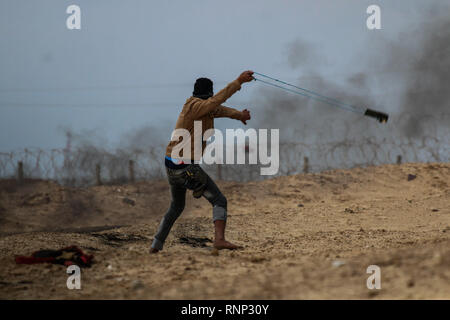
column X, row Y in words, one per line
column 65, row 256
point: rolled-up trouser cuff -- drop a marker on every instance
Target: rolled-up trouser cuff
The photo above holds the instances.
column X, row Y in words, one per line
column 157, row 244
column 219, row 213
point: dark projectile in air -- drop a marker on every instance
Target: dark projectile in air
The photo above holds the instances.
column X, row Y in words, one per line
column 380, row 116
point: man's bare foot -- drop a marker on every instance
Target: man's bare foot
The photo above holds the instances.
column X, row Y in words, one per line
column 223, row 244
column 153, row 250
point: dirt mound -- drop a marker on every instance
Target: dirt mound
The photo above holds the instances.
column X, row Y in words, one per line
column 304, row 236
column 39, row 205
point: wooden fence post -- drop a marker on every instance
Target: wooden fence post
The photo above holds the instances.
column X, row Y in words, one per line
column 20, row 172
column 131, row 170
column 219, row 171
column 305, row 164
column 98, row 179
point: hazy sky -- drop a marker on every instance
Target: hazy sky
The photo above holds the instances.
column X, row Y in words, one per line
column 133, row 63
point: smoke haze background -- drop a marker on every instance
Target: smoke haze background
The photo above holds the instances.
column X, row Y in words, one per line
column 406, row 77
column 116, row 86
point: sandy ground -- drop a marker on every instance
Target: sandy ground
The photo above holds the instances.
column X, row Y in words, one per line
column 308, row 236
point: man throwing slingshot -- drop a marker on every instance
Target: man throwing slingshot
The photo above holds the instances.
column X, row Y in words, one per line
column 203, row 106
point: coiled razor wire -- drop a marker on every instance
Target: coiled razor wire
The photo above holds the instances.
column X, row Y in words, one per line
column 77, row 167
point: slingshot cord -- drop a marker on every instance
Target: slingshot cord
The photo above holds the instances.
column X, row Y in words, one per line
column 310, row 94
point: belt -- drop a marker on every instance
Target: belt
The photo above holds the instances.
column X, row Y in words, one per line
column 175, row 161
column 176, row 171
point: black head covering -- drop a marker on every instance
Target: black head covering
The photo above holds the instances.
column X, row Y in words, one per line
column 203, row 88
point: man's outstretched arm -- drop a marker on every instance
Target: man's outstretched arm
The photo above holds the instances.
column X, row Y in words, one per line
column 204, row 107
column 227, row 112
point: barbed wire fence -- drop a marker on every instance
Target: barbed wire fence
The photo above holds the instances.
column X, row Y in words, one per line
column 94, row 166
